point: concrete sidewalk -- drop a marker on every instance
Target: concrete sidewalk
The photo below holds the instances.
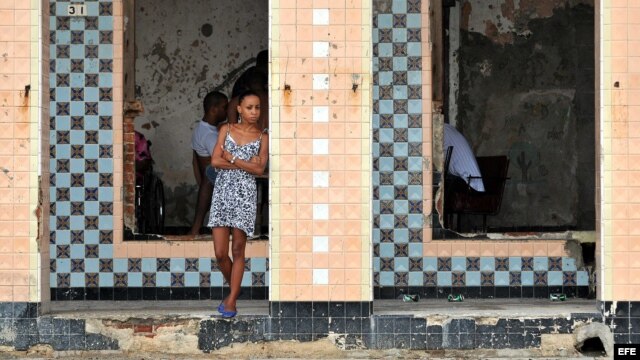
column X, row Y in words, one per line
column 200, row 309
column 322, row 349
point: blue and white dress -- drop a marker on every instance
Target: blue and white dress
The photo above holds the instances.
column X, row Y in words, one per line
column 234, row 201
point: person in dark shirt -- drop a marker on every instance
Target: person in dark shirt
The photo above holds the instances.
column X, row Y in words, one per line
column 259, row 71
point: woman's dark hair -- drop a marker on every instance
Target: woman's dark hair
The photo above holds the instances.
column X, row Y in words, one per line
column 247, row 93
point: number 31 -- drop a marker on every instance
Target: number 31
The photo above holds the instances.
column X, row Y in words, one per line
column 76, row 10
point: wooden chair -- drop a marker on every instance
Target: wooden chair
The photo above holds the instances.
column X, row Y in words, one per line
column 460, row 198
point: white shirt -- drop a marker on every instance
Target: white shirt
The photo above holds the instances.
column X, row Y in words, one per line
column 204, row 138
column 463, row 163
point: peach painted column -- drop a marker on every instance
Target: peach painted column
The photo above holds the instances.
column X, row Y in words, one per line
column 619, row 191
column 321, row 150
column 23, row 151
column 118, row 126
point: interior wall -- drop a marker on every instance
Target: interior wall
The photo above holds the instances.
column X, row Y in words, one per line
column 526, row 72
column 183, row 50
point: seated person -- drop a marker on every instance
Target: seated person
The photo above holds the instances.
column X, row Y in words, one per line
column 463, row 162
column 143, row 156
column 203, row 140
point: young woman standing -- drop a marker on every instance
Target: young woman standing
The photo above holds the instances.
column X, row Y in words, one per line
column 241, row 154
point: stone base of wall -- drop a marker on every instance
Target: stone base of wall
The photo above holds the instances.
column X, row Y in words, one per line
column 349, row 325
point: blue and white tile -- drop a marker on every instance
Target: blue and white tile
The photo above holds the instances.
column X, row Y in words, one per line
column 163, row 279
column 569, row 264
column 540, row 263
column 515, row 263
column 444, row 278
column 387, row 278
column 501, row 278
column 401, row 264
column 487, row 263
column 458, row 263
column 473, row 278
column 106, row 279
column 106, row 251
column 415, row 250
column 526, row 278
column 134, row 279
column 554, row 278
column 582, row 278
column 413, row 20
column 415, row 278
column 77, row 280
column 430, row 263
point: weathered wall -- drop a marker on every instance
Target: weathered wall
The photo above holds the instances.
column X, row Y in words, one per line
column 183, row 50
column 527, row 90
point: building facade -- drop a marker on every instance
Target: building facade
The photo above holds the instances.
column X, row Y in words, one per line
column 354, row 128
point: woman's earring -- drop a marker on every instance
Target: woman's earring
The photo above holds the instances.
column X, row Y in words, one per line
column 239, row 118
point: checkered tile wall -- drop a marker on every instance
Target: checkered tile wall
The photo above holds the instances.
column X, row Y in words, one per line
column 81, row 165
column 397, row 135
column 397, row 178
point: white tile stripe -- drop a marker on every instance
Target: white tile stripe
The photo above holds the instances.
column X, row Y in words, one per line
column 320, row 146
column 320, row 211
column 320, row 81
column 320, row 276
column 321, row 179
column 320, row 49
column 320, row 114
column 320, row 244
column 320, row 16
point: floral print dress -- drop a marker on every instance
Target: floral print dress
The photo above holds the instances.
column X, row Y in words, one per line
column 234, row 201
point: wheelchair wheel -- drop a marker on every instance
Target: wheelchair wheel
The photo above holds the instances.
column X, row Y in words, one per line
column 140, row 220
column 159, row 207
column 154, row 207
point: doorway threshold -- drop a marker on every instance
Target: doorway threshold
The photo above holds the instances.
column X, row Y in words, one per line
column 194, row 309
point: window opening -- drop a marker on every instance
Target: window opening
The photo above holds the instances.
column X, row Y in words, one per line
column 519, row 88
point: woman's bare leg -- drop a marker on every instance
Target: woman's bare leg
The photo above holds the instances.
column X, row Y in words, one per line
column 221, row 247
column 238, row 245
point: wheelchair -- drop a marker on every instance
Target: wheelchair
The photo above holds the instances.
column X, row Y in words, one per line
column 150, row 205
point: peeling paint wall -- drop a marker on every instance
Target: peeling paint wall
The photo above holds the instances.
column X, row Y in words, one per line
column 527, row 90
column 183, row 50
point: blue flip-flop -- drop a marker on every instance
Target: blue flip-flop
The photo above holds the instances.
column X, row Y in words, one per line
column 228, row 314
column 221, row 308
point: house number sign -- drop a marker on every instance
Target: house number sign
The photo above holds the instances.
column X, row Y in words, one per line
column 76, row 10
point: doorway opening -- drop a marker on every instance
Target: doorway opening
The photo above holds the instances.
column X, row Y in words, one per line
column 176, row 54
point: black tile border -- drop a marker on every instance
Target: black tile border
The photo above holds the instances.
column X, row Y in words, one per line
column 352, row 322
column 291, row 321
column 623, row 317
column 482, row 292
column 320, row 309
column 24, row 325
column 155, row 293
